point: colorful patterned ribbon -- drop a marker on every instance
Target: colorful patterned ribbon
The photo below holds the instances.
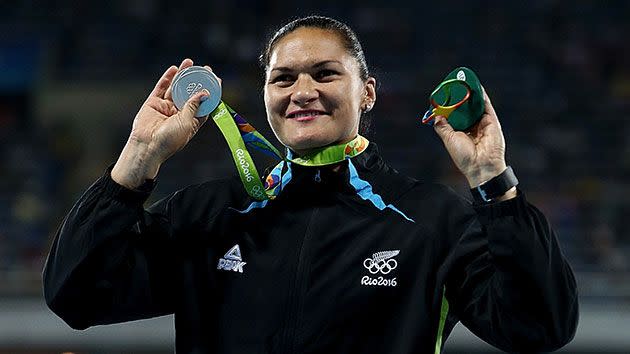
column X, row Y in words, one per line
column 240, row 135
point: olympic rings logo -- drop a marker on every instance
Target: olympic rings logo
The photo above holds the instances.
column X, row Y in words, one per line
column 193, row 88
column 384, row 265
column 257, row 191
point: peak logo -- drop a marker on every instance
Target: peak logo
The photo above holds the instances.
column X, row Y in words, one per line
column 232, row 260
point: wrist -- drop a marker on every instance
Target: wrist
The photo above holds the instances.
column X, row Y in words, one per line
column 511, row 193
column 499, row 188
column 483, row 175
column 136, row 164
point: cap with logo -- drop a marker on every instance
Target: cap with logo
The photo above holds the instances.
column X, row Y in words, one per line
column 459, row 98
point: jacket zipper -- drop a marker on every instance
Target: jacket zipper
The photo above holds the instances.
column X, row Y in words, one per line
column 296, row 301
column 318, row 177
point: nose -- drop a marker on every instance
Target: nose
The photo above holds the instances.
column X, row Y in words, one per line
column 305, row 90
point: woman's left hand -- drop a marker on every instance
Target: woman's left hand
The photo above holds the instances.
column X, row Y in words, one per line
column 478, row 153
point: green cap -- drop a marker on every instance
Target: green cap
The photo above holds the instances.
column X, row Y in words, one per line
column 453, row 89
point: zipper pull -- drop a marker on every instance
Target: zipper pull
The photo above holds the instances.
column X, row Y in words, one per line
column 317, row 177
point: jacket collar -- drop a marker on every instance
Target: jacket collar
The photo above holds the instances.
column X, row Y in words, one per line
column 333, row 178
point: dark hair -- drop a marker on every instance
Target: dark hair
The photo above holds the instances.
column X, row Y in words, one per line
column 347, row 35
column 349, row 38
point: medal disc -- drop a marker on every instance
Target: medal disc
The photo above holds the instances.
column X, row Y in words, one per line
column 192, row 80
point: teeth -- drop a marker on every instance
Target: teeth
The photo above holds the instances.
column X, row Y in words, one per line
column 306, row 114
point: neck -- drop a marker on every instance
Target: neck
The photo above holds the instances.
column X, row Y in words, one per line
column 329, row 155
column 310, row 151
column 303, row 152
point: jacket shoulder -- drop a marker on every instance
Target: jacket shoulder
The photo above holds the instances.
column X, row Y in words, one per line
column 203, row 199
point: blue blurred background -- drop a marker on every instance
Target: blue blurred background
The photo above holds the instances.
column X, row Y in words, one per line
column 74, row 73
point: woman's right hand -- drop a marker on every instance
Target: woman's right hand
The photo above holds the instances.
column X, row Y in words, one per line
column 159, row 130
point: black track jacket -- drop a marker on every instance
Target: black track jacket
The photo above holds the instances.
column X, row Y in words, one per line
column 363, row 260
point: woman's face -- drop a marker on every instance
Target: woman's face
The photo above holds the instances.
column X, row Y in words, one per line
column 314, row 94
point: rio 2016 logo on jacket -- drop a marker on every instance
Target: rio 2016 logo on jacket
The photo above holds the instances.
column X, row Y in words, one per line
column 381, row 263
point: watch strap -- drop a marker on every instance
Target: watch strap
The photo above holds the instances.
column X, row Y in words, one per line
column 495, row 187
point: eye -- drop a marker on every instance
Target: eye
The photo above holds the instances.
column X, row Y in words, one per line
column 325, row 74
column 282, row 79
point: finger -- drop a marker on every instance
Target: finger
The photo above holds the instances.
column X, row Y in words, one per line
column 186, row 63
column 192, row 105
column 210, row 69
column 164, row 107
column 489, row 109
column 164, row 82
column 457, row 144
column 489, row 118
column 160, row 106
column 443, row 129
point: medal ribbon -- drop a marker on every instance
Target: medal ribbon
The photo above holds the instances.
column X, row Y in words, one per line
column 240, row 135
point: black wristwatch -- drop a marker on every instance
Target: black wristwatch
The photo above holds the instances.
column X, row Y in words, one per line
column 495, row 187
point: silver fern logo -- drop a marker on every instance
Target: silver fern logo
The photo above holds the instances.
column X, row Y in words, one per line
column 382, row 262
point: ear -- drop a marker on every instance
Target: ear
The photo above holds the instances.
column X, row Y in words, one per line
column 369, row 97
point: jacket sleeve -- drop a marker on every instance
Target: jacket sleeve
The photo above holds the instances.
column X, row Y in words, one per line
column 111, row 261
column 508, row 281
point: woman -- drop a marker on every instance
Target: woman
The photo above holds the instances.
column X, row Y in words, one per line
column 350, row 257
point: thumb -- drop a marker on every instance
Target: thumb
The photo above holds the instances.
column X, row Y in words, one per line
column 192, row 105
column 442, row 128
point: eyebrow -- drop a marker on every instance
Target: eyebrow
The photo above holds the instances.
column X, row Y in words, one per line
column 315, row 66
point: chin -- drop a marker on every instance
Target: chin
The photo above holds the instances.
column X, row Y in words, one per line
column 306, row 143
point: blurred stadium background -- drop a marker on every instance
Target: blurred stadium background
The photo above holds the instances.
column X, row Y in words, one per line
column 74, row 73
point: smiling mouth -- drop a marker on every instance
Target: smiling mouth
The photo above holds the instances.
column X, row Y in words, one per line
column 305, row 115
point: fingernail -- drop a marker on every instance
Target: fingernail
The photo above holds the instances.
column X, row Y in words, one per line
column 205, row 94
